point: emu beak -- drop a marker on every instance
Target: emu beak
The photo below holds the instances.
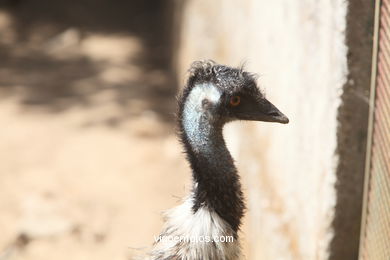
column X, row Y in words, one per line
column 260, row 109
column 268, row 112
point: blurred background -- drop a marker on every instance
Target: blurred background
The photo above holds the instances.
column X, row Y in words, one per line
column 89, row 155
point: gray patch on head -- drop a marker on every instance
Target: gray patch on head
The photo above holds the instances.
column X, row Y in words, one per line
column 197, row 114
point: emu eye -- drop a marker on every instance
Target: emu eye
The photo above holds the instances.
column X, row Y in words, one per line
column 235, row 101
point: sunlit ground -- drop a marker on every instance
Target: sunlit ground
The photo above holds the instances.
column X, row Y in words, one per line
column 89, row 157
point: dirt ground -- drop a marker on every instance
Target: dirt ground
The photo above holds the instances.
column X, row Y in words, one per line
column 89, row 155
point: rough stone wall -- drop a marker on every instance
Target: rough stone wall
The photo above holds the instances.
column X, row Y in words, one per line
column 288, row 171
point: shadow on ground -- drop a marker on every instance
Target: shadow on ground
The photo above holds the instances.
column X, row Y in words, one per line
column 58, row 54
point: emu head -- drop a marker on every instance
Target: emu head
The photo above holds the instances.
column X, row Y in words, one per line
column 222, row 94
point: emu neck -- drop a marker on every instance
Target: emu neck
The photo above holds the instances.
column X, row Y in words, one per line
column 216, row 182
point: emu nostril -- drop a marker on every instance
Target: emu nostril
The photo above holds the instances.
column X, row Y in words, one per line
column 274, row 114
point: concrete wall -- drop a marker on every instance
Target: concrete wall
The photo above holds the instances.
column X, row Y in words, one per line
column 288, row 171
column 352, row 131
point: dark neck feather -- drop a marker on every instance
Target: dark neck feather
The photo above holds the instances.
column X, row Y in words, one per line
column 216, row 182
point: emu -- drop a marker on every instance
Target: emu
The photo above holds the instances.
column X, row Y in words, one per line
column 213, row 96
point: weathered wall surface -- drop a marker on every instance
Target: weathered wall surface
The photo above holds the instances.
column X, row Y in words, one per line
column 289, row 171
